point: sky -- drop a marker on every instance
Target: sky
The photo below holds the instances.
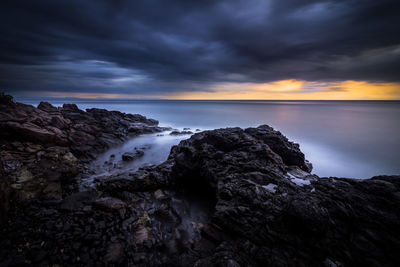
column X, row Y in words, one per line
column 205, row 49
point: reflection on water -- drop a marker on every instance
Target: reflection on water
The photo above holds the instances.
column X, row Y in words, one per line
column 341, row 138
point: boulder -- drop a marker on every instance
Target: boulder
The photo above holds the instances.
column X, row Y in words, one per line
column 47, row 107
column 71, row 107
column 130, row 156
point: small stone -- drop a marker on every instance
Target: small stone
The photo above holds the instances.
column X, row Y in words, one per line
column 109, row 203
column 115, row 252
column 130, row 156
column 141, row 234
column 159, row 194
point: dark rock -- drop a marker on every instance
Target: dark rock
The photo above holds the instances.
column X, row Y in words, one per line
column 227, row 197
column 129, row 156
column 267, row 196
column 180, row 133
column 114, row 253
column 47, row 107
column 32, row 132
column 77, row 201
column 4, row 196
column 109, row 203
column 71, row 107
column 53, row 140
column 6, row 99
column 288, row 151
column 158, row 194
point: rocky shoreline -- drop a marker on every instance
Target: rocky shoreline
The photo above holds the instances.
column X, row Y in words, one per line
column 226, row 197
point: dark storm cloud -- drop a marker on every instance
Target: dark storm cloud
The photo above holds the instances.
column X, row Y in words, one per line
column 155, row 47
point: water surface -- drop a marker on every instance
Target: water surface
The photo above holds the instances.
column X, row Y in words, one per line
column 356, row 139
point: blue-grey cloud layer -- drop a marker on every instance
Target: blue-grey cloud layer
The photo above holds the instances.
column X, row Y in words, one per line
column 156, row 47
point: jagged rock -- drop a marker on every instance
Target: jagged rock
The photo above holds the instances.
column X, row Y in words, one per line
column 47, row 107
column 129, row 156
column 264, row 194
column 51, row 137
column 227, row 197
column 288, row 151
column 71, row 107
column 85, row 133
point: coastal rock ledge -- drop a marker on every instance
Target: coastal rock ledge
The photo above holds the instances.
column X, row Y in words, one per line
column 43, row 148
column 226, row 197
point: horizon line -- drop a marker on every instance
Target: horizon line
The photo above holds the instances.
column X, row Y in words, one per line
column 19, row 98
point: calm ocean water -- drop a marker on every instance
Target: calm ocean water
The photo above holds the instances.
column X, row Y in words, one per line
column 356, row 139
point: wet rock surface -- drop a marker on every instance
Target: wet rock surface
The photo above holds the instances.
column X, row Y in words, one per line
column 227, row 197
column 129, row 156
column 184, row 132
column 43, row 148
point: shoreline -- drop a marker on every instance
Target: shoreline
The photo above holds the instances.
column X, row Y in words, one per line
column 340, row 139
column 228, row 196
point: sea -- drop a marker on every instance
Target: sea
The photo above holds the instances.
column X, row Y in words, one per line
column 355, row 139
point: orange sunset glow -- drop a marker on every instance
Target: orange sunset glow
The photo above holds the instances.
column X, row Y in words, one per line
column 297, row 90
column 290, row 89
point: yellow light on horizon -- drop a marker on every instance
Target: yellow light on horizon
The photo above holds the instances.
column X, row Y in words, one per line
column 296, row 90
column 290, row 89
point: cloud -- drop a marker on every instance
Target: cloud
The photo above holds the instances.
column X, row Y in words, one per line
column 161, row 48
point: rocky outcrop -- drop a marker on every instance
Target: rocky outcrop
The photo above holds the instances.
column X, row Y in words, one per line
column 268, row 212
column 227, row 197
column 288, row 151
column 85, row 133
column 42, row 148
column 38, row 171
column 266, row 208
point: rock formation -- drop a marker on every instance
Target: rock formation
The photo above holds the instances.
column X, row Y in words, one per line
column 226, row 197
column 40, row 147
